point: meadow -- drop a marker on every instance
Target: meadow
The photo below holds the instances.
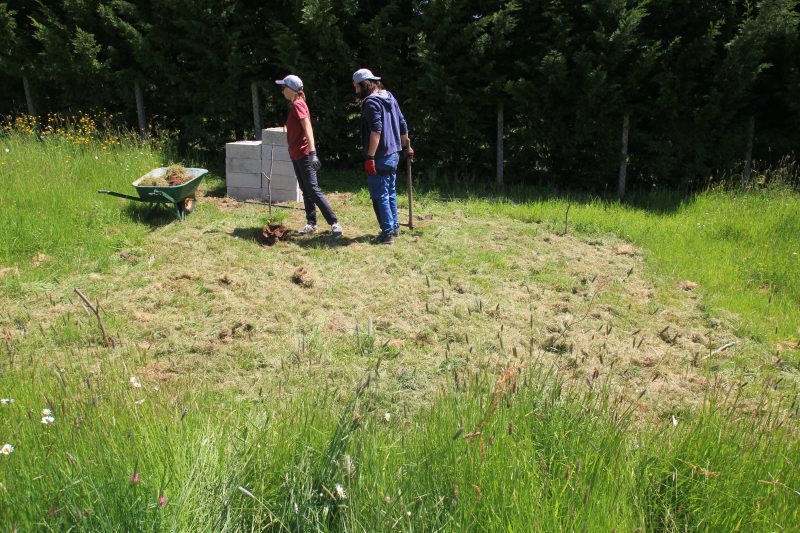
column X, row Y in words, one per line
column 488, row 371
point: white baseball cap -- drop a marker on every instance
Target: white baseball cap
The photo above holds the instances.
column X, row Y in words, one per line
column 364, row 74
column 291, row 81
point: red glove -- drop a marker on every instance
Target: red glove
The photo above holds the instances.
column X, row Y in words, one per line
column 369, row 167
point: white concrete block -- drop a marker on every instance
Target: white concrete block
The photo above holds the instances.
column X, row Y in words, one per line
column 280, row 153
column 243, row 150
column 246, row 193
column 281, row 195
column 283, row 182
column 279, row 168
column 275, row 136
column 244, row 179
column 235, row 164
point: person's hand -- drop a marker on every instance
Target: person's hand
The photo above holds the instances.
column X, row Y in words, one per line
column 369, row 167
column 316, row 164
column 409, row 152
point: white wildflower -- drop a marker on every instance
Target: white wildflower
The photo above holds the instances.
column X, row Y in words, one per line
column 7, row 449
column 134, row 381
column 340, row 492
column 8, row 150
column 46, row 412
column 674, row 421
column 6, row 401
column 47, row 420
column 140, row 402
column 387, row 416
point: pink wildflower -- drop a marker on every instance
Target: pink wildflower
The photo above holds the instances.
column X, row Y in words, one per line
column 162, row 502
column 135, row 478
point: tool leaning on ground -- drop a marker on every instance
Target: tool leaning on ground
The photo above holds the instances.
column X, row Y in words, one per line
column 409, row 159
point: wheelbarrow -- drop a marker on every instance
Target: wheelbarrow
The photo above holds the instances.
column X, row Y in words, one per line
column 181, row 196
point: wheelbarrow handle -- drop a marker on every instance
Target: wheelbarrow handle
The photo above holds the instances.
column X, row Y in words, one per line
column 120, row 195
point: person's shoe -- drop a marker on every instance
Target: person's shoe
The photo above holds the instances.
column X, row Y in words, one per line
column 310, row 228
column 383, row 238
column 336, row 230
column 396, row 231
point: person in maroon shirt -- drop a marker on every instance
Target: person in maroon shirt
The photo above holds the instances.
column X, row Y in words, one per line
column 303, row 153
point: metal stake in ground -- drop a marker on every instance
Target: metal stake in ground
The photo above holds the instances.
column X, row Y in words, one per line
column 410, row 193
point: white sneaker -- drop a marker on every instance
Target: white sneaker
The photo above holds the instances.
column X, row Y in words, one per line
column 336, row 230
column 308, row 229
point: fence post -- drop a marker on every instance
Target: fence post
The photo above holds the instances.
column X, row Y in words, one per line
column 500, row 157
column 623, row 164
column 748, row 155
column 256, row 112
column 140, row 116
column 28, row 96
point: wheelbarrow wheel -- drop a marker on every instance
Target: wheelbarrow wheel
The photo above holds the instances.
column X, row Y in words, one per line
column 188, row 205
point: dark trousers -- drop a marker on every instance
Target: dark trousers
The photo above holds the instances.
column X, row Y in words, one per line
column 312, row 194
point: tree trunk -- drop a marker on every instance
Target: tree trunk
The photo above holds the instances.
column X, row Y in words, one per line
column 137, row 91
column 500, row 157
column 623, row 164
column 28, row 96
column 256, row 112
column 748, row 155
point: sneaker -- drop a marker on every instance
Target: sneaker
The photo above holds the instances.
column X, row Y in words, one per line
column 310, row 228
column 336, row 230
column 383, row 238
column 396, row 231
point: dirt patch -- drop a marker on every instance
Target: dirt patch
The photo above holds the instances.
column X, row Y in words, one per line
column 8, row 271
column 273, row 233
column 688, row 285
column 625, row 249
column 39, row 258
column 303, row 277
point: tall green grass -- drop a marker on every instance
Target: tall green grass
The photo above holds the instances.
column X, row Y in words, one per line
column 518, row 453
column 48, row 190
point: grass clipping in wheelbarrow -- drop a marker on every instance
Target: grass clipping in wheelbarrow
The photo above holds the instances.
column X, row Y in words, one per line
column 175, row 175
column 273, row 233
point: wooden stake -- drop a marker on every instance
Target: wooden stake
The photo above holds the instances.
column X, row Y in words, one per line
column 410, row 191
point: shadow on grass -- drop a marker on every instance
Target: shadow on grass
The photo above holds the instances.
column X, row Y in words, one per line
column 247, row 234
column 327, row 241
column 214, row 186
column 432, row 188
column 152, row 215
column 320, row 240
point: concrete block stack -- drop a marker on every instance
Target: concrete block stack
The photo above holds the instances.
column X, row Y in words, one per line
column 275, row 152
column 245, row 161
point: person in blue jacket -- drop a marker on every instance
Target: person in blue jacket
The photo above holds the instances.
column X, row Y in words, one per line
column 384, row 134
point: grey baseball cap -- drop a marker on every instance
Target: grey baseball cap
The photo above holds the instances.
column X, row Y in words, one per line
column 291, row 81
column 364, row 74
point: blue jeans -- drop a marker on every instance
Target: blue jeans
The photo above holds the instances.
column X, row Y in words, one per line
column 312, row 194
column 383, row 192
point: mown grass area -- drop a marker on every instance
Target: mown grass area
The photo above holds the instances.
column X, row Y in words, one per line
column 743, row 248
column 518, row 379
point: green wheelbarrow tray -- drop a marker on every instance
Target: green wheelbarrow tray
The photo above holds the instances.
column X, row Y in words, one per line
column 181, row 196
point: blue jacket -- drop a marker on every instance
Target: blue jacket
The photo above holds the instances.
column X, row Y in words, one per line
column 380, row 113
